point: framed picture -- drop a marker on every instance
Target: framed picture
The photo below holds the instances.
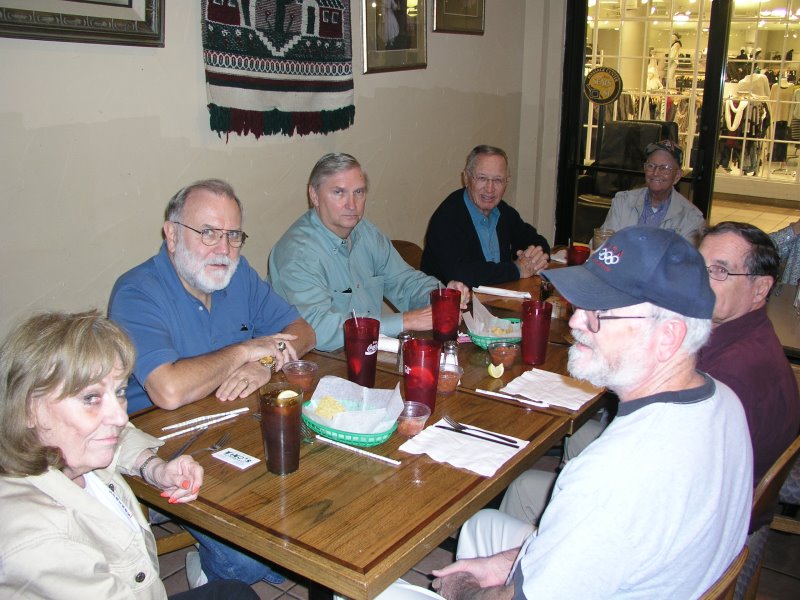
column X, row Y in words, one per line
column 394, row 35
column 458, row 16
column 125, row 22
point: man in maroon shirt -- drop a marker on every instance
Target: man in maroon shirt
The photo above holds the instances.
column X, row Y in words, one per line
column 744, row 351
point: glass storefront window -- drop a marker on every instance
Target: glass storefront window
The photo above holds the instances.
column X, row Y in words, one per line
column 758, row 148
column 660, row 49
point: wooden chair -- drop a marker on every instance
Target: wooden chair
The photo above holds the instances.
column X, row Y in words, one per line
column 724, row 586
column 765, row 497
column 790, row 490
column 409, row 251
column 790, row 495
column 174, row 541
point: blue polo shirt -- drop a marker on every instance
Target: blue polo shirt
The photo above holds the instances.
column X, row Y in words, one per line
column 486, row 228
column 167, row 323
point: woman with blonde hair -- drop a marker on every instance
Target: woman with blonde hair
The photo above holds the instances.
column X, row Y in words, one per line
column 70, row 526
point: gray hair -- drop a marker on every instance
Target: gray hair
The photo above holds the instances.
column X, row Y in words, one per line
column 332, row 163
column 174, row 211
column 483, row 149
column 697, row 330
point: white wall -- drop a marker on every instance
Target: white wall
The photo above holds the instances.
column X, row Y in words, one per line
column 95, row 139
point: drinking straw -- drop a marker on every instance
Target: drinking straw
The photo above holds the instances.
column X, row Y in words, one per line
column 385, row 459
column 196, row 427
column 205, row 418
column 355, row 317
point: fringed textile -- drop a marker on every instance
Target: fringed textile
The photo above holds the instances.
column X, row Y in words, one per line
column 278, row 66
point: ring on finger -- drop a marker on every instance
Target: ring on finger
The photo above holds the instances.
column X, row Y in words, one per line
column 281, row 345
column 246, row 382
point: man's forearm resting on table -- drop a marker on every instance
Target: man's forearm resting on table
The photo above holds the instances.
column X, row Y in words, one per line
column 187, row 380
column 190, row 379
column 306, row 339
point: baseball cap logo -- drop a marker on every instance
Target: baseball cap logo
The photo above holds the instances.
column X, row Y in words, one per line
column 608, row 257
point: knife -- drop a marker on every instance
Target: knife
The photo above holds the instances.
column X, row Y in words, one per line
column 186, row 444
column 516, row 397
column 480, row 437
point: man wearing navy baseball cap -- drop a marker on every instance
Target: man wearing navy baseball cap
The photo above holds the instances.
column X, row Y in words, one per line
column 658, row 505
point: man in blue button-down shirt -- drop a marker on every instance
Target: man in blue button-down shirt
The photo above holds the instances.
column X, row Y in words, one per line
column 332, row 261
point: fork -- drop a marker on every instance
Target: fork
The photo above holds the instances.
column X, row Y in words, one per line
column 307, row 433
column 218, row 445
column 461, row 427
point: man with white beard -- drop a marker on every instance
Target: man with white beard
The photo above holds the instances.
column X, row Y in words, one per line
column 659, row 504
column 203, row 321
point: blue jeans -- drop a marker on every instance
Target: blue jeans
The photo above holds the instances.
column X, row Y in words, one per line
column 220, row 561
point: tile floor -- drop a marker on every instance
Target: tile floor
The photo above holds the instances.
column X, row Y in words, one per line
column 780, row 577
column 768, row 218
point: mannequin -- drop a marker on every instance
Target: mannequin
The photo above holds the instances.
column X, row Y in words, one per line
column 653, row 85
column 674, row 52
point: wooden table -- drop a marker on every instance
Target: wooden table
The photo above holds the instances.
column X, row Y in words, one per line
column 475, row 361
column 347, row 522
column 785, row 319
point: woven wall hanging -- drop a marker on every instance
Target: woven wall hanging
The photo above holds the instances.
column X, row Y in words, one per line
column 278, row 66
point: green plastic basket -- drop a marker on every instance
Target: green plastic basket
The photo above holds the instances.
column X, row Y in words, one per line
column 364, row 440
column 483, row 341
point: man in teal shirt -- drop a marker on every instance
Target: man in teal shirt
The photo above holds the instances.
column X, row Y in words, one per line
column 332, row 261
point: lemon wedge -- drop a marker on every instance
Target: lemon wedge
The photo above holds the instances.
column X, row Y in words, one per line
column 286, row 394
column 496, row 370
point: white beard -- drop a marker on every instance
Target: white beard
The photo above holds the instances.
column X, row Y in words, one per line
column 620, row 373
column 192, row 270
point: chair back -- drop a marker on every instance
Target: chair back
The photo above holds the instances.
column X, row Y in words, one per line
column 724, row 587
column 409, row 251
column 623, row 148
column 766, row 493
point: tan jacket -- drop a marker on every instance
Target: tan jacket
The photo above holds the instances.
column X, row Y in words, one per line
column 682, row 217
column 57, row 541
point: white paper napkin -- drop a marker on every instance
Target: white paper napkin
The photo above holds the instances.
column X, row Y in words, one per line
column 556, row 390
column 560, row 256
column 388, row 344
column 482, row 322
column 462, row 451
column 493, row 291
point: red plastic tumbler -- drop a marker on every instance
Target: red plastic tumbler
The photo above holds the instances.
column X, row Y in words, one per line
column 446, row 309
column 535, row 330
column 421, row 370
column 361, row 349
column 577, row 255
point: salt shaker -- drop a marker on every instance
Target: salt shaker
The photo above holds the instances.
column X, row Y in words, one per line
column 449, row 353
column 402, row 339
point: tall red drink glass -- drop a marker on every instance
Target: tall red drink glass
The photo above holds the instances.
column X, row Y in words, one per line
column 421, row 370
column 280, row 426
column 446, row 308
column 361, row 349
column 577, row 255
column 535, row 330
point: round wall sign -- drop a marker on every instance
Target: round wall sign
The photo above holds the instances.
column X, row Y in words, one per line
column 602, row 85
